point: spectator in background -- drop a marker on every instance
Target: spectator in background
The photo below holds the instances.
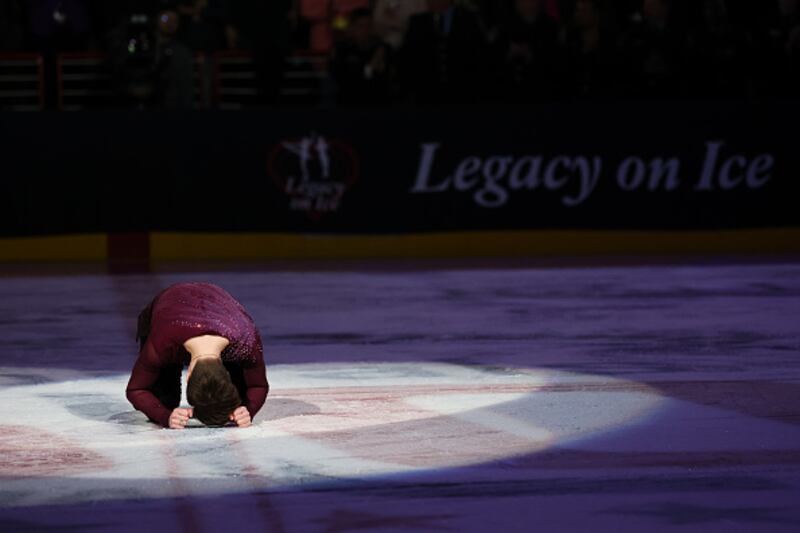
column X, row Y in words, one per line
column 362, row 64
column 590, row 52
column 491, row 12
column 391, row 18
column 57, row 26
column 265, row 28
column 791, row 12
column 777, row 39
column 557, row 8
column 130, row 31
column 444, row 55
column 495, row 12
column 203, row 25
column 625, row 12
column 12, row 26
column 173, row 66
column 326, row 19
column 719, row 55
column 654, row 51
column 527, row 52
column 789, row 40
column 110, row 20
column 204, row 29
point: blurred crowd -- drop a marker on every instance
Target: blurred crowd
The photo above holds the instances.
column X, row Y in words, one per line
column 434, row 52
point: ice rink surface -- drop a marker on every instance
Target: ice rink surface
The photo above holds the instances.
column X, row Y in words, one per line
column 629, row 398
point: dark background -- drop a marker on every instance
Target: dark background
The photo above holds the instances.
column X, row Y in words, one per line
column 510, row 77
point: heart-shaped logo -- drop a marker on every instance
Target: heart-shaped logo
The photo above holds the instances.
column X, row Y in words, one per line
column 314, row 172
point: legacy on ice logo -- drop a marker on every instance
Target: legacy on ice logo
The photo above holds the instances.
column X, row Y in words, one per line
column 314, row 171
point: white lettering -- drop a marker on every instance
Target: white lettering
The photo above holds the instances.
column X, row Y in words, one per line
column 728, row 181
column 551, row 181
column 468, row 167
column 709, row 164
column 426, row 162
column 589, row 178
column 628, row 181
column 659, row 169
column 492, row 194
column 760, row 171
column 525, row 173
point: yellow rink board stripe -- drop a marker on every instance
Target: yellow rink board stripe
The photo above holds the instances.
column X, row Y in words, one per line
column 79, row 248
column 188, row 246
column 245, row 246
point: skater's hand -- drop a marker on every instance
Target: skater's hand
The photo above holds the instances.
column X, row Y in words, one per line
column 241, row 416
column 179, row 417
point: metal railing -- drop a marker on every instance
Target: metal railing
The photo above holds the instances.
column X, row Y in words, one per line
column 224, row 80
column 235, row 79
column 21, row 82
column 304, row 78
column 85, row 81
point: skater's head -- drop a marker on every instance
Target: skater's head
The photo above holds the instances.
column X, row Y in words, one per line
column 211, row 392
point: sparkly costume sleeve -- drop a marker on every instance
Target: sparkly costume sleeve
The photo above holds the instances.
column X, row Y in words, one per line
column 255, row 377
column 144, row 375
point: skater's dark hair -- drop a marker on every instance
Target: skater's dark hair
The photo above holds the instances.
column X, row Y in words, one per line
column 212, row 393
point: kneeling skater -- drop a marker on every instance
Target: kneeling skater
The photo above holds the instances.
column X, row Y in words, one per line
column 204, row 327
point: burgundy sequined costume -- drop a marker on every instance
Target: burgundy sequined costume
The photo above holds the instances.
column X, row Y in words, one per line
column 176, row 314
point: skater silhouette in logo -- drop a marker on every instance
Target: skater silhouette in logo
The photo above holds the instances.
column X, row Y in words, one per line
column 309, row 149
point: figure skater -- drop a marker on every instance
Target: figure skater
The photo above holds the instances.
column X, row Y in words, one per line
column 204, row 327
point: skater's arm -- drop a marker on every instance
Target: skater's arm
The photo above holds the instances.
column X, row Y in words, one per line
column 144, row 375
column 255, row 377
